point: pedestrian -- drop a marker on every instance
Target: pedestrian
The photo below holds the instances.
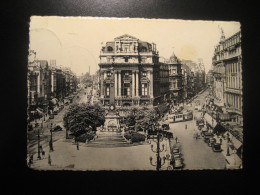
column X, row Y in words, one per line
column 77, row 145
column 176, row 139
column 185, row 126
column 43, row 153
column 49, row 159
column 40, row 148
column 220, row 140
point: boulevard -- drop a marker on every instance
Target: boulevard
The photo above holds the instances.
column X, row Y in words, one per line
column 196, row 153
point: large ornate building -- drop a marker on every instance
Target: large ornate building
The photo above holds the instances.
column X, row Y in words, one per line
column 227, row 62
column 131, row 74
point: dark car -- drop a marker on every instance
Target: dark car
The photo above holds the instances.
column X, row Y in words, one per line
column 51, row 116
column 166, row 126
column 216, row 147
column 175, row 150
column 211, row 141
column 57, row 128
column 178, row 164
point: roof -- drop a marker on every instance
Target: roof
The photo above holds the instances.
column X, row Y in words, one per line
column 126, row 36
column 42, row 63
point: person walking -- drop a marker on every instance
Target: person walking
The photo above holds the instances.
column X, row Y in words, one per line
column 49, row 159
column 77, row 145
column 176, row 139
column 186, row 126
column 43, row 154
column 220, row 140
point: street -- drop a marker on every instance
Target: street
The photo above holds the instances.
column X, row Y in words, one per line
column 195, row 152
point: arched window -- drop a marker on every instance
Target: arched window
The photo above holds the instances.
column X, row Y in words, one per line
column 143, row 49
column 109, row 48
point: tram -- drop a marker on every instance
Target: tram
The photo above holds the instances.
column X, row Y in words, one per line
column 183, row 116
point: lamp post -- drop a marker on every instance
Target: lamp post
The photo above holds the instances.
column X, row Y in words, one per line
column 51, row 144
column 39, row 152
column 158, row 162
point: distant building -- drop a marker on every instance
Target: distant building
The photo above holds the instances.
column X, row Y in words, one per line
column 175, row 79
column 130, row 73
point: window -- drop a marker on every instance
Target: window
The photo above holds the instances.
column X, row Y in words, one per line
column 127, row 89
column 144, row 49
column 126, row 59
column 109, row 48
column 144, row 89
column 108, row 91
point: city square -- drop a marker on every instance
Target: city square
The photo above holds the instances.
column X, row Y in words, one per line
column 130, row 108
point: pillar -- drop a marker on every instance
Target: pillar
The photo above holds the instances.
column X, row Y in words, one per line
column 137, row 84
column 119, row 83
column 38, row 83
column 133, row 84
column 102, row 83
column 115, row 84
column 151, row 84
column 52, row 82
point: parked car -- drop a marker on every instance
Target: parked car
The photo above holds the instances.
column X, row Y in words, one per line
column 177, row 155
column 51, row 116
column 166, row 126
column 178, row 164
column 216, row 147
column 57, row 128
column 211, row 141
column 175, row 150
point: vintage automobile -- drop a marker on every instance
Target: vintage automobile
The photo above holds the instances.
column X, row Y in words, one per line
column 216, row 147
column 57, row 128
column 177, row 155
column 207, row 136
column 175, row 150
column 211, row 141
column 165, row 126
column 178, row 163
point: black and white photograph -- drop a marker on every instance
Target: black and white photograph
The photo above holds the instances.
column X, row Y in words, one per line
column 107, row 93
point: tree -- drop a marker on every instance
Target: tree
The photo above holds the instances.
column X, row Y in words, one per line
column 82, row 118
column 142, row 118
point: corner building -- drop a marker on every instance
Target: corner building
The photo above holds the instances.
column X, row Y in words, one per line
column 130, row 73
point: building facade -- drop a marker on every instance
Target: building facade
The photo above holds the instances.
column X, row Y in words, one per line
column 227, row 62
column 175, row 80
column 130, row 73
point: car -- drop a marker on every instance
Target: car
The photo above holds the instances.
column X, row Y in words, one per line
column 51, row 116
column 216, row 147
column 175, row 150
column 211, row 141
column 178, row 164
column 177, row 155
column 166, row 126
column 57, row 128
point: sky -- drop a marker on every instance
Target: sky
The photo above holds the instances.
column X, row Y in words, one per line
column 76, row 42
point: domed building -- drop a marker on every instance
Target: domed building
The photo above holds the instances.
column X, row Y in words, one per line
column 130, row 73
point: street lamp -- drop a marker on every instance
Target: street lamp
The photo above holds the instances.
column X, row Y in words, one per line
column 39, row 152
column 51, row 144
column 158, row 162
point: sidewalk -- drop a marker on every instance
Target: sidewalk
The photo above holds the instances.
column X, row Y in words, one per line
column 233, row 160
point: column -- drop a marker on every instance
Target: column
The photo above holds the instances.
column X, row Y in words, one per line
column 133, row 84
column 151, row 84
column 137, row 84
column 52, row 82
column 102, row 83
column 38, row 83
column 119, row 83
column 116, row 84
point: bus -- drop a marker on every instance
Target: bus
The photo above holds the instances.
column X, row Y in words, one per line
column 183, row 116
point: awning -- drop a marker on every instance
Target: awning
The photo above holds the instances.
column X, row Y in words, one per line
column 211, row 121
column 237, row 144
